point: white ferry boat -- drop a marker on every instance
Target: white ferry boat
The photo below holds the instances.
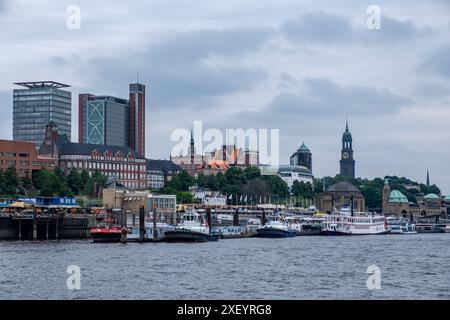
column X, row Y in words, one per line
column 343, row 222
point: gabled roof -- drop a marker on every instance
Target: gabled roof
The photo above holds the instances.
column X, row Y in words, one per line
column 68, row 148
column 162, row 165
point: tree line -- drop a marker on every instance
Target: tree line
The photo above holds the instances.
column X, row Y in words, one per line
column 249, row 183
column 47, row 183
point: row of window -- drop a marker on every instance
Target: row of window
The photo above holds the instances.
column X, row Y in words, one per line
column 105, row 166
column 14, row 154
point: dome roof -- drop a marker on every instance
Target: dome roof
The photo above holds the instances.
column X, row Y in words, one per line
column 342, row 187
column 347, row 135
column 303, row 148
column 432, row 196
column 447, row 198
column 398, row 197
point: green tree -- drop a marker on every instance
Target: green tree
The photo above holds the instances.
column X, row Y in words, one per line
column 252, row 172
column 11, row 181
column 202, row 180
column 184, row 197
column 2, row 182
column 74, row 182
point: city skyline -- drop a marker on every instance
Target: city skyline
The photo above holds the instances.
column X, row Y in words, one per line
column 245, row 66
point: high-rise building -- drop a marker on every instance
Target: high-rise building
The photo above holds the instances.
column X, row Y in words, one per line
column 103, row 119
column 37, row 105
column 136, row 135
column 347, row 162
column 113, row 121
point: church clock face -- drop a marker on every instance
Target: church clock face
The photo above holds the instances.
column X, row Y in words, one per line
column 345, row 155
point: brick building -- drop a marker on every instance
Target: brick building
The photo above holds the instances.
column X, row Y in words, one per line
column 23, row 156
column 123, row 164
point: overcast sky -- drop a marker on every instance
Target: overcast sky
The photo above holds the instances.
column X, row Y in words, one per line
column 295, row 65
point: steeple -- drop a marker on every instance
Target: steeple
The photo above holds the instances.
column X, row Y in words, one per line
column 428, row 178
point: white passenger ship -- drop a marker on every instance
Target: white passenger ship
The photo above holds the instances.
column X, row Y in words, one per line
column 343, row 222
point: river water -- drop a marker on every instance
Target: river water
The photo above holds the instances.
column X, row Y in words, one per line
column 316, row 267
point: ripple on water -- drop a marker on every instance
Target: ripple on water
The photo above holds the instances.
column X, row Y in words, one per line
column 414, row 267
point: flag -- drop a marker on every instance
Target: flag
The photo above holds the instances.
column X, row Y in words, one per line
column 240, row 199
column 230, row 197
column 245, row 199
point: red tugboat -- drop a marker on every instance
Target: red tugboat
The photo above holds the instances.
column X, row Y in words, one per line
column 106, row 234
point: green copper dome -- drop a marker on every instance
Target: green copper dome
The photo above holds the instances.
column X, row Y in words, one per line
column 447, row 198
column 397, row 197
column 431, row 196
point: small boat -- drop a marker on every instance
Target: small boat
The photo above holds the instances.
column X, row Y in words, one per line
column 400, row 226
column 276, row 227
column 193, row 228
column 107, row 234
column 347, row 222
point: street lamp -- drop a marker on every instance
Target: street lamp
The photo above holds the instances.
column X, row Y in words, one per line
column 26, row 194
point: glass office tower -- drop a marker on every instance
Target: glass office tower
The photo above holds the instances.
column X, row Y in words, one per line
column 37, row 105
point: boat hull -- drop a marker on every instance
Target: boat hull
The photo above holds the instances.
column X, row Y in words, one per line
column 188, row 236
column 339, row 233
column 106, row 237
column 274, row 233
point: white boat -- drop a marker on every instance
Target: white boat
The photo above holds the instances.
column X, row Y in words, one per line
column 161, row 229
column 193, row 228
column 346, row 222
column 276, row 227
column 400, row 226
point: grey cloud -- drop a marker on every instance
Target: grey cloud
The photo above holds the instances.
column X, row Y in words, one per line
column 322, row 27
column 318, row 27
column 438, row 62
column 6, row 119
column 322, row 96
column 432, row 90
column 177, row 70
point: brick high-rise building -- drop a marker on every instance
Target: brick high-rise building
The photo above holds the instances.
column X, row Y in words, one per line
column 137, row 118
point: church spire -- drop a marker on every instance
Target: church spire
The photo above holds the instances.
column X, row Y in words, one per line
column 428, row 177
column 346, row 124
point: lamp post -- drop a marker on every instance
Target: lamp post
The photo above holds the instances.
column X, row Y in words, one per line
column 25, row 190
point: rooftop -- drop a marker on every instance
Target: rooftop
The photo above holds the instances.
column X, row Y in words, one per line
column 431, row 196
column 397, row 197
column 342, row 187
column 42, row 84
column 162, row 165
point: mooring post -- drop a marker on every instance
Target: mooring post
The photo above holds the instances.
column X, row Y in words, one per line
column 123, row 237
column 48, row 226
column 155, row 231
column 34, row 228
column 141, row 223
column 208, row 218
column 20, row 229
column 57, row 228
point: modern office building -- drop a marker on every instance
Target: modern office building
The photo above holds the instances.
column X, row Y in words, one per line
column 38, row 104
column 103, row 120
column 113, row 121
column 302, row 157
